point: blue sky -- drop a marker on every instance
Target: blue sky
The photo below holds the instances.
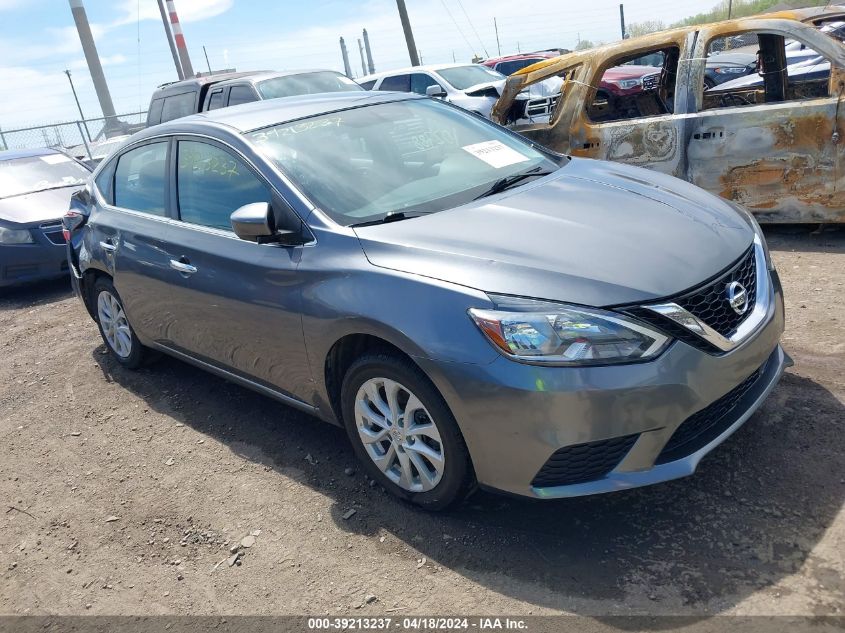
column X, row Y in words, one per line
column 38, row 40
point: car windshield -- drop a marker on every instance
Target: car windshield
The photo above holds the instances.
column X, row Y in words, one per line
column 305, row 84
column 37, row 173
column 462, row 77
column 414, row 156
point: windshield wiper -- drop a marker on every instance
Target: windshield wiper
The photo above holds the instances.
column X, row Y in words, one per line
column 509, row 181
column 392, row 216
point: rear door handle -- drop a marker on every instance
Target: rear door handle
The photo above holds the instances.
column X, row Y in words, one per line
column 108, row 247
column 182, row 267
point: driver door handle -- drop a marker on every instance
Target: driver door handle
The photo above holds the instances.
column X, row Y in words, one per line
column 108, row 247
column 183, row 267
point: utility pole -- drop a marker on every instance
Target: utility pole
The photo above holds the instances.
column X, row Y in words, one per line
column 346, row 69
column 363, row 63
column 93, row 59
column 499, row 46
column 179, row 37
column 78, row 107
column 730, row 8
column 622, row 18
column 370, row 65
column 169, row 35
column 409, row 35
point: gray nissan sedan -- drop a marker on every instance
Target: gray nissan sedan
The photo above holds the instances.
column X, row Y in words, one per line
column 473, row 308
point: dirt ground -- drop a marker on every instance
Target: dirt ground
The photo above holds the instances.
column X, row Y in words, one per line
column 122, row 493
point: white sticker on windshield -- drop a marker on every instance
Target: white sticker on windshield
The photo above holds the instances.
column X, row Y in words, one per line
column 495, row 153
column 55, row 159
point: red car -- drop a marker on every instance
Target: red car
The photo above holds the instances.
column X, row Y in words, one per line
column 622, row 81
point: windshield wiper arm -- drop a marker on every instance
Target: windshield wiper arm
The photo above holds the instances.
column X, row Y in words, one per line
column 392, row 216
column 509, row 181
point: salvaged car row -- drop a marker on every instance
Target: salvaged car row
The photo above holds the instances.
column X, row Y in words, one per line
column 772, row 144
column 476, row 306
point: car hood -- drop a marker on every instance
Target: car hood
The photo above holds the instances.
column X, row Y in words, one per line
column 593, row 233
column 498, row 85
column 617, row 73
column 40, row 206
column 794, row 71
column 731, row 59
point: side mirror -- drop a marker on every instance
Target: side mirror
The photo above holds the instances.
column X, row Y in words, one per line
column 435, row 91
column 253, row 222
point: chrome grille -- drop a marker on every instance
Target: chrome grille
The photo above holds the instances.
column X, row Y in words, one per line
column 710, row 304
column 541, row 107
column 651, row 82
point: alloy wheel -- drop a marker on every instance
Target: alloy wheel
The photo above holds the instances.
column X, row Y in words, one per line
column 114, row 324
column 399, row 435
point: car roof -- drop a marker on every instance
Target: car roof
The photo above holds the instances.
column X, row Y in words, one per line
column 14, row 154
column 259, row 114
column 273, row 74
column 412, row 69
column 195, row 82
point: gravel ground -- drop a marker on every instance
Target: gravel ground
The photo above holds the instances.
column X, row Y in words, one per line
column 126, row 493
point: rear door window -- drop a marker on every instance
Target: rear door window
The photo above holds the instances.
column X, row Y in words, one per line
column 105, row 181
column 216, row 99
column 632, row 89
column 140, row 178
column 177, row 106
column 154, row 115
column 241, row 94
column 368, row 85
column 213, row 183
column 398, row 83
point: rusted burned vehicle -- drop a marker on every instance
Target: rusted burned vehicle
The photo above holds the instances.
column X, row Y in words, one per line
column 778, row 148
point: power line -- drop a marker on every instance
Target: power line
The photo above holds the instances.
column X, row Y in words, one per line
column 456, row 24
column 484, row 48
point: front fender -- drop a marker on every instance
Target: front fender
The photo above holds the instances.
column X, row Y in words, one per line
column 344, row 294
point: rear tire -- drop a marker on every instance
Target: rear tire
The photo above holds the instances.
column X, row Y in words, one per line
column 114, row 326
column 403, row 432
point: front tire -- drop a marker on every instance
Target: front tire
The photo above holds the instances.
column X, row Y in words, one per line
column 114, row 326
column 403, row 432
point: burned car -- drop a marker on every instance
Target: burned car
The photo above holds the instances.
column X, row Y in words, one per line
column 774, row 148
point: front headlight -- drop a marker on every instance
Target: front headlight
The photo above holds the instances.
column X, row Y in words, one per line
column 730, row 70
column 627, row 84
column 547, row 333
column 15, row 236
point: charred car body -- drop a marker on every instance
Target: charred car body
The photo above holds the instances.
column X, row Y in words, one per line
column 774, row 148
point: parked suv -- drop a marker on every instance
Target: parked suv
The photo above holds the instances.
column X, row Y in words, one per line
column 272, row 85
column 471, row 307
column 211, row 92
column 182, row 98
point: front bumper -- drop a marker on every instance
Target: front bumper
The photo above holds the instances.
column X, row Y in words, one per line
column 514, row 417
column 44, row 259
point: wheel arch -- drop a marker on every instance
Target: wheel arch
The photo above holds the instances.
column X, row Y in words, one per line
column 345, row 351
column 86, row 283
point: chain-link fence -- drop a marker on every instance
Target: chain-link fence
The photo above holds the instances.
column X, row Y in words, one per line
column 87, row 139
